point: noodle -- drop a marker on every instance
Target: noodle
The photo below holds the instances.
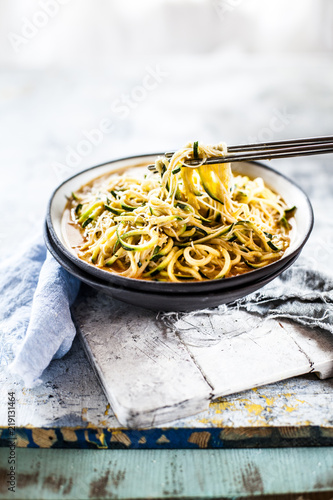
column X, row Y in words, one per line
column 181, row 222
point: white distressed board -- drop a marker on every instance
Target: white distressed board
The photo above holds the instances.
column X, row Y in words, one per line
column 153, row 374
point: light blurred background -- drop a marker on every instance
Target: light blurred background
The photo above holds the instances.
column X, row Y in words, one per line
column 84, row 81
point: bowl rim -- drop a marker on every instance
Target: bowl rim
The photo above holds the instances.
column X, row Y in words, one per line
column 174, row 287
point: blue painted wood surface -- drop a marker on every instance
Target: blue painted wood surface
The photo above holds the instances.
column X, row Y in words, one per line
column 120, row 474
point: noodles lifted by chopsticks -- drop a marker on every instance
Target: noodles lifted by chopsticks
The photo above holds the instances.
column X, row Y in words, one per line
column 182, row 223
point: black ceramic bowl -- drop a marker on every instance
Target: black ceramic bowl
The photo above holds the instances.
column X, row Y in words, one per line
column 291, row 193
column 159, row 301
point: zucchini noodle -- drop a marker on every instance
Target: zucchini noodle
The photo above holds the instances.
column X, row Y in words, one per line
column 181, row 222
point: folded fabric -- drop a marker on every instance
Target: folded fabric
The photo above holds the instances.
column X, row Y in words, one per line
column 302, row 293
column 35, row 313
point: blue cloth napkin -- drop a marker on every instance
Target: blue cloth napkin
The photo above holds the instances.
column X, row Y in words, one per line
column 35, row 318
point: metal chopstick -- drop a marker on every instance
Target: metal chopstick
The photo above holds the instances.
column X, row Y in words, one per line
column 277, row 144
column 282, row 144
column 268, row 150
column 270, row 154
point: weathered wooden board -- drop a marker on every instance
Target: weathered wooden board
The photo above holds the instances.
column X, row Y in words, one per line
column 152, row 374
column 247, row 351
